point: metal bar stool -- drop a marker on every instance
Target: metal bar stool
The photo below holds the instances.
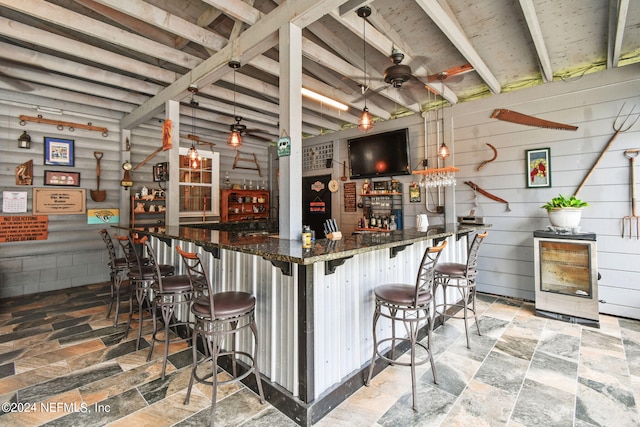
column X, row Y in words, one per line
column 172, row 296
column 140, row 277
column 219, row 317
column 118, row 271
column 411, row 305
column 464, row 276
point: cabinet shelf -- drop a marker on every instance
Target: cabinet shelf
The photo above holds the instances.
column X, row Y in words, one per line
column 244, row 205
column 381, row 205
column 147, row 212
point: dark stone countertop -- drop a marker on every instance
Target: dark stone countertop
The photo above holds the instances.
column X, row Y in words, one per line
column 272, row 248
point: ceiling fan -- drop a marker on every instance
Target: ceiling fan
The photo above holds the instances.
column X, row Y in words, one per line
column 398, row 73
column 242, row 129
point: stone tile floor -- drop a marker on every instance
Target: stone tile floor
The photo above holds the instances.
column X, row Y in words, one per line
column 62, row 363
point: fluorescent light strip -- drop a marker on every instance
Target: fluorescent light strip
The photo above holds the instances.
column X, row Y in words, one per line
column 324, row 99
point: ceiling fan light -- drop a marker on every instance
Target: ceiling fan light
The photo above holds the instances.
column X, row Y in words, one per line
column 365, row 122
column 443, row 151
column 235, row 139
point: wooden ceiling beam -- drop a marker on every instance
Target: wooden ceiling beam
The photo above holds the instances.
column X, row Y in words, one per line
column 136, row 25
column 529, row 11
column 452, row 29
column 618, row 11
column 94, row 28
column 160, row 18
column 253, row 42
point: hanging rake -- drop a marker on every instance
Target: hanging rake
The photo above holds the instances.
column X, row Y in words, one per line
column 620, row 125
column 633, row 218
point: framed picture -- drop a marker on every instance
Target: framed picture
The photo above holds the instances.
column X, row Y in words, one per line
column 58, row 152
column 414, row 193
column 538, row 168
column 68, row 179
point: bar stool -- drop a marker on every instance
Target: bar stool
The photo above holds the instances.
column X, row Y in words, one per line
column 219, row 316
column 140, row 278
column 464, row 276
column 118, row 270
column 411, row 305
column 169, row 295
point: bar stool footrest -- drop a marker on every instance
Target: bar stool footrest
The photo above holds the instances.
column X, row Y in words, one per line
column 417, row 362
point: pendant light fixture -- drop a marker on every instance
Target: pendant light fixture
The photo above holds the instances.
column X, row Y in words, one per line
column 192, row 154
column 443, row 151
column 235, row 137
column 365, row 122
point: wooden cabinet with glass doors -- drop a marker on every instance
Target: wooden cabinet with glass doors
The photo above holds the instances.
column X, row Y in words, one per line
column 244, row 205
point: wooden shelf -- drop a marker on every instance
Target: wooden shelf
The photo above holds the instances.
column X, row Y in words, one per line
column 146, row 218
column 244, row 205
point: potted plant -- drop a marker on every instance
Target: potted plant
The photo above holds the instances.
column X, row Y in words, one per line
column 565, row 211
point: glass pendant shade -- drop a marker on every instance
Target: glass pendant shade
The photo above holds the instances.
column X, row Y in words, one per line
column 235, row 139
column 193, row 156
column 443, row 151
column 365, row 123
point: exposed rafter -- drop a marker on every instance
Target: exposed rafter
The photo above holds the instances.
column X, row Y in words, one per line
column 618, row 18
column 529, row 12
column 447, row 23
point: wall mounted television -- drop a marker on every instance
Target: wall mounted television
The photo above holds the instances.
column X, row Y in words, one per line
column 381, row 154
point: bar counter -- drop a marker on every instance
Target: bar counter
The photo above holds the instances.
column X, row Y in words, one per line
column 315, row 305
column 269, row 246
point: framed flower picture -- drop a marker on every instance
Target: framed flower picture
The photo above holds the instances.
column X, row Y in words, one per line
column 538, row 167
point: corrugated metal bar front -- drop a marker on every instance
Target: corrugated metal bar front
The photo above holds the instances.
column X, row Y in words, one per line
column 276, row 311
column 344, row 306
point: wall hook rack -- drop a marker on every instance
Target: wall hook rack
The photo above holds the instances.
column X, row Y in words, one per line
column 61, row 125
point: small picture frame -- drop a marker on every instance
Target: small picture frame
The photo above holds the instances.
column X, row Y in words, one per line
column 414, row 193
column 58, row 152
column 61, row 178
column 538, row 166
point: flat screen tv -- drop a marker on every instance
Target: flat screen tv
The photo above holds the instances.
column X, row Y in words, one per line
column 381, row 154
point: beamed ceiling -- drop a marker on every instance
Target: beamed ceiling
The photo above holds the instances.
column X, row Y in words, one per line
column 138, row 54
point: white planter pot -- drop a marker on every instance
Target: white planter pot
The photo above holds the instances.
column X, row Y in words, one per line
column 565, row 217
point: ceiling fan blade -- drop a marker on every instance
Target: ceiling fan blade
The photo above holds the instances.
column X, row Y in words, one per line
column 254, row 133
column 447, row 74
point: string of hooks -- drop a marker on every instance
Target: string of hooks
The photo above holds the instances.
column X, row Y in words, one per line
column 61, row 124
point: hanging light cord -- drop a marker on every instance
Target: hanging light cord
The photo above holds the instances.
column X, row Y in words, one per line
column 234, row 93
column 364, row 57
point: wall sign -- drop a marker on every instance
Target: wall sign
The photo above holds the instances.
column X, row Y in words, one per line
column 350, row 197
column 103, row 216
column 284, row 146
column 59, row 201
column 23, row 228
